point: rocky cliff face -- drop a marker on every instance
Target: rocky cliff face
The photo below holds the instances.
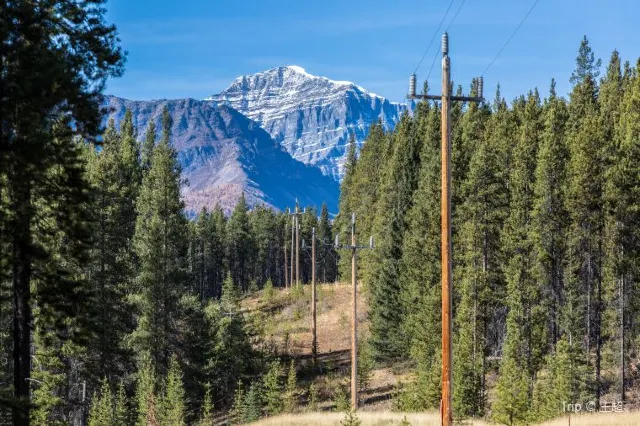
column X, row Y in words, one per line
column 311, row 117
column 223, row 154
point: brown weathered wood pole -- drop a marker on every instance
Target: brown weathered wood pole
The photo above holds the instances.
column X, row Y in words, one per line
column 286, row 263
column 622, row 345
column 314, row 335
column 354, row 318
column 293, row 233
column 297, row 248
column 446, row 410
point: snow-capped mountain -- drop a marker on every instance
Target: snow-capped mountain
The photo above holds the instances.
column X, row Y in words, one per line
column 310, row 116
column 223, row 154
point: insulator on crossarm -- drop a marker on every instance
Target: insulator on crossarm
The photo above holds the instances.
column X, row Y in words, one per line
column 337, row 241
column 412, row 85
column 371, row 241
column 445, row 44
column 480, row 87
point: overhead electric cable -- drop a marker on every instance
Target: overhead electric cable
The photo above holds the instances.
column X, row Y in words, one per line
column 434, row 35
column 510, row 37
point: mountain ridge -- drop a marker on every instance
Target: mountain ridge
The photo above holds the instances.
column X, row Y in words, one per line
column 311, row 116
column 224, row 154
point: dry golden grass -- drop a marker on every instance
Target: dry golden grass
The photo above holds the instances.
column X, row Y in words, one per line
column 385, row 418
column 631, row 418
column 371, row 418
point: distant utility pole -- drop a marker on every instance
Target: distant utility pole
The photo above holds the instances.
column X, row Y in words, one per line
column 293, row 236
column 314, row 338
column 286, row 263
column 295, row 241
column 297, row 248
column 354, row 311
column 314, row 335
column 446, row 411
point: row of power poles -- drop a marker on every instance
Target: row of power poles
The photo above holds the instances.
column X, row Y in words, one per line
column 295, row 275
column 295, row 250
column 446, row 412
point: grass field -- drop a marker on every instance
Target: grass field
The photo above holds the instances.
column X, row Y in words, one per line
column 384, row 418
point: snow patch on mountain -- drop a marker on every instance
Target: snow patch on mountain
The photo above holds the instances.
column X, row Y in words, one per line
column 310, row 116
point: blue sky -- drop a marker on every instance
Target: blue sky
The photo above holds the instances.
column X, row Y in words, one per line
column 193, row 48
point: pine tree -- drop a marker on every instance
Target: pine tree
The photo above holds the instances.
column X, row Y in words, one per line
column 549, row 216
column 387, row 338
column 232, row 356
column 291, row 390
column 172, row 406
column 230, row 292
column 101, row 412
column 313, row 397
column 160, row 241
column 145, row 391
column 623, row 219
column 586, row 64
column 273, row 389
column 238, row 412
column 148, row 145
column 526, row 343
column 365, row 365
column 480, row 278
column 350, row 419
column 366, row 187
column 121, row 411
column 206, row 418
column 554, row 385
column 421, row 290
column 346, row 205
column 326, row 254
column 239, row 245
column 253, row 403
column 584, row 191
column 115, row 176
column 523, row 339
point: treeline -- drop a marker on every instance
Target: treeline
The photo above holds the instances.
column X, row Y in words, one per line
column 114, row 308
column 167, row 338
column 546, row 244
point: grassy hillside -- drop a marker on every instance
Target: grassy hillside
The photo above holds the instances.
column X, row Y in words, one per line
column 283, row 318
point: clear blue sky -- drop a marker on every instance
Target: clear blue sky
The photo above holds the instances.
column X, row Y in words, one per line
column 193, row 48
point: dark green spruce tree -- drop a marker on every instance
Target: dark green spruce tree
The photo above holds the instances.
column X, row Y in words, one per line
column 585, row 255
column 479, row 275
column 387, row 337
column 161, row 242
column 525, row 340
column 115, row 175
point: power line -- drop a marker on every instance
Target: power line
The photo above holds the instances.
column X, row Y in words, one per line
column 448, row 26
column 434, row 35
column 455, row 16
column 510, row 37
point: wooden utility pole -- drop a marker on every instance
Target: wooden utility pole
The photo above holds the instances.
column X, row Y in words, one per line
column 622, row 346
column 297, row 249
column 446, row 410
column 314, row 336
column 286, row 263
column 354, row 309
column 293, row 233
column 295, row 240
